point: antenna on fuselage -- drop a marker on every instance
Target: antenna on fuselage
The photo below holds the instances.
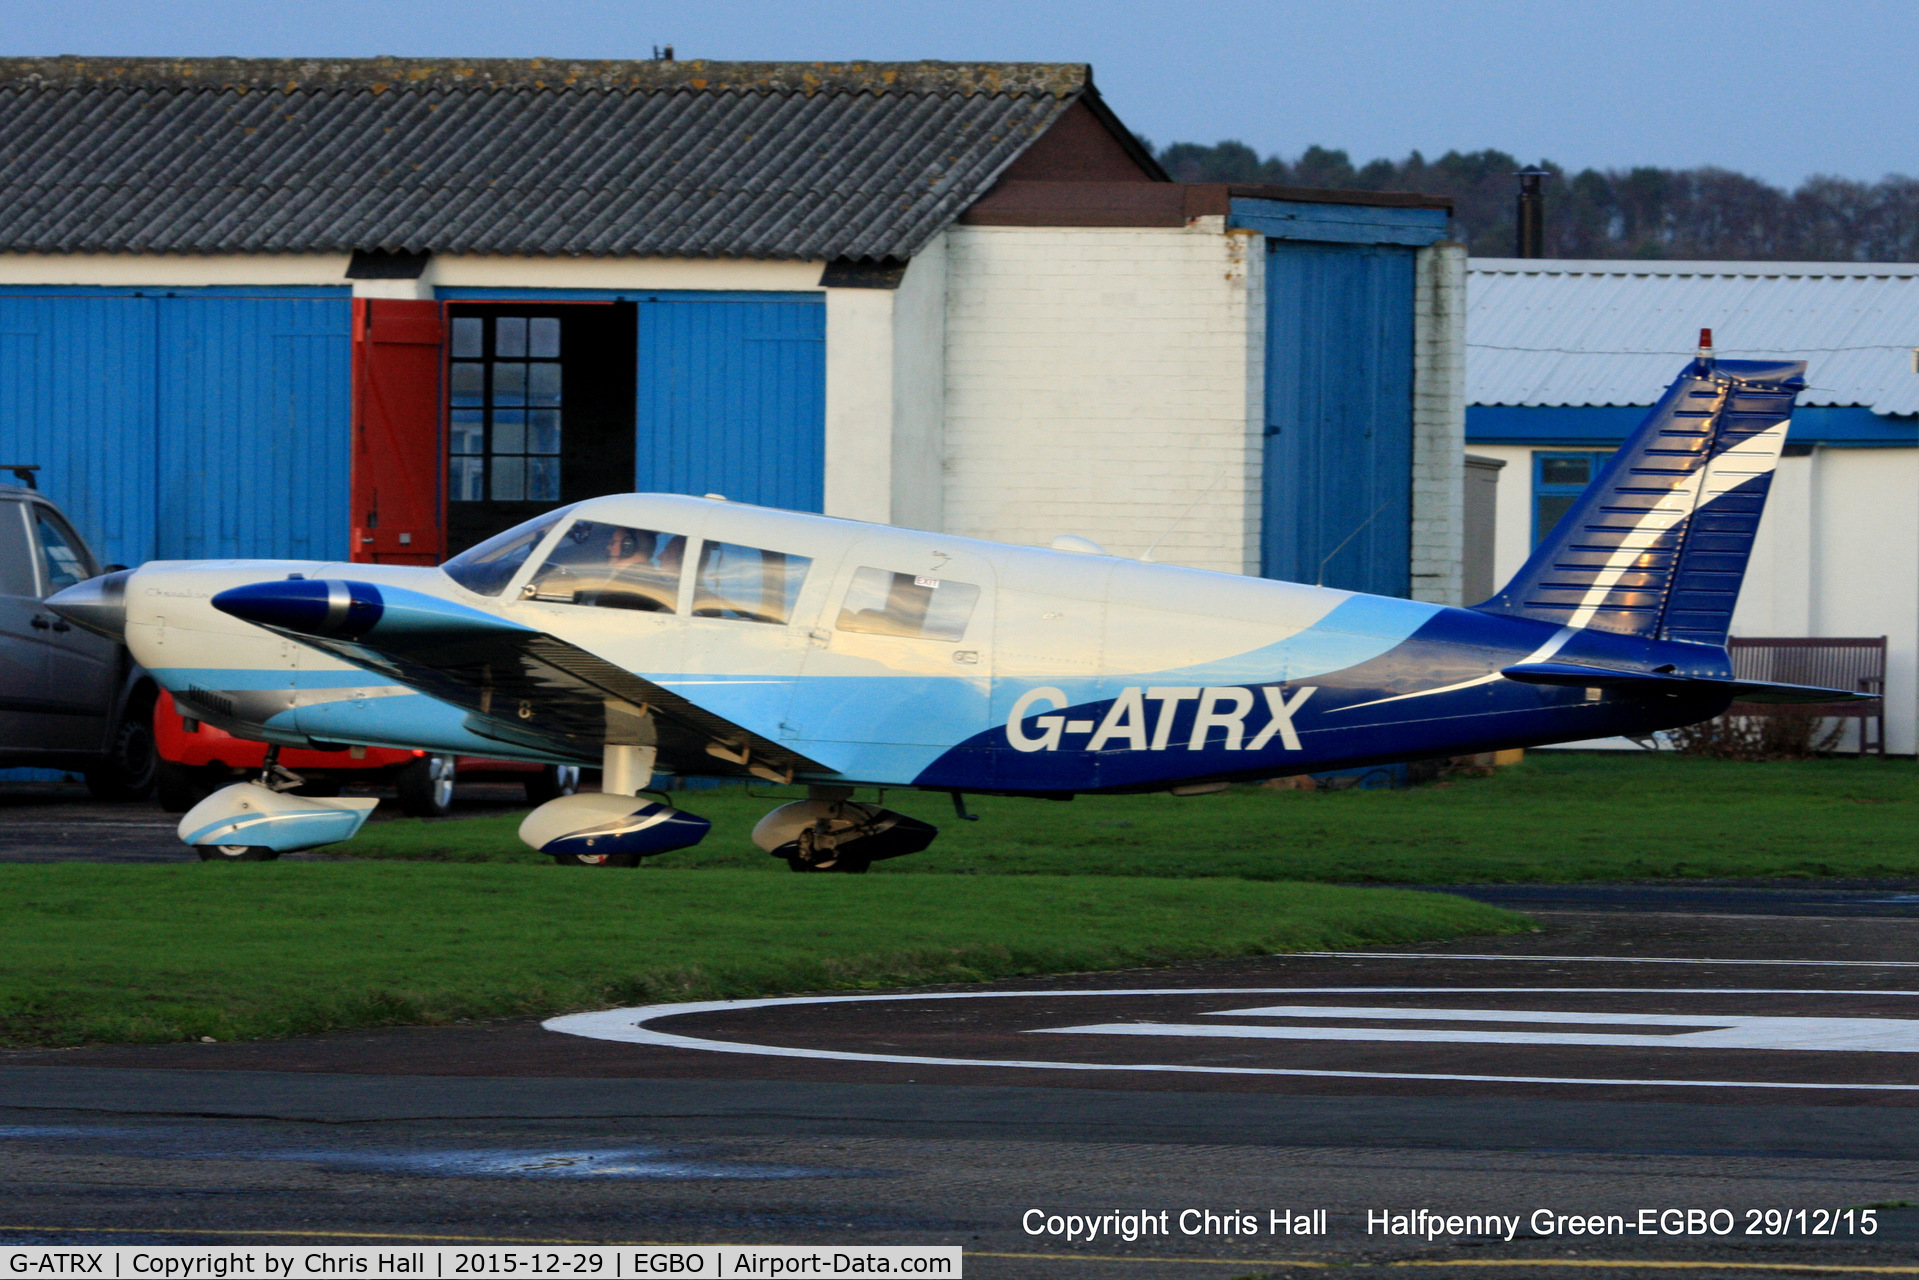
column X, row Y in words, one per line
column 1320, row 581
column 1147, row 555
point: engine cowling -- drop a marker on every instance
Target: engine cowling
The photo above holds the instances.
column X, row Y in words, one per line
column 839, row 835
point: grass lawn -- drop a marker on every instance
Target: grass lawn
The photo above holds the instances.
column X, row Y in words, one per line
column 160, row 953
column 1559, row 816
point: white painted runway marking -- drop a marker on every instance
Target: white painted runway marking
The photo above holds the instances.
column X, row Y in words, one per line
column 630, row 1026
column 1853, row 1035
column 1438, row 955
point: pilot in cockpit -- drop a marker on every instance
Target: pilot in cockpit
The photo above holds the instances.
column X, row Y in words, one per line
column 613, row 567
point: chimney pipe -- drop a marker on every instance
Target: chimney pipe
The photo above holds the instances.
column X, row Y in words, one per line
column 1529, row 240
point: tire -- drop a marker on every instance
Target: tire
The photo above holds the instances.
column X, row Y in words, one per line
column 178, row 787
column 552, row 782
column 597, row 859
column 127, row 772
column 320, row 789
column 426, row 787
column 846, row 865
column 235, row 853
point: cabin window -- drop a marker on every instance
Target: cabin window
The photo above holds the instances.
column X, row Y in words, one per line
column 1558, row 480
column 611, row 566
column 747, row 584
column 904, row 604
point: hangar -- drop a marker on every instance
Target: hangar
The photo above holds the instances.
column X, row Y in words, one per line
column 1567, row 356
column 385, row 307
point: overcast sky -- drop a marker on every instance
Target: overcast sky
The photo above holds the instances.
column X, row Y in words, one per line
column 1779, row 90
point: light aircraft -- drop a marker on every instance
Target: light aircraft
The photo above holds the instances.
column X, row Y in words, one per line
column 655, row 634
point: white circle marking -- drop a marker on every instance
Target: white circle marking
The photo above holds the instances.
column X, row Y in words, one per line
column 629, row 1026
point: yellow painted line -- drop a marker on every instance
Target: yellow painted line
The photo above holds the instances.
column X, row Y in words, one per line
column 1198, row 1262
column 1820, row 1268
column 325, row 1235
column 1801, row 1267
column 1823, row 1268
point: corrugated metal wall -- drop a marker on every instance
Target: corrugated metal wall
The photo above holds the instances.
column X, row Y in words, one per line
column 183, row 425
column 1339, row 442
column 732, row 400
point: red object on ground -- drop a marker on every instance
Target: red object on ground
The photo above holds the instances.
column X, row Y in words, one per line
column 205, row 745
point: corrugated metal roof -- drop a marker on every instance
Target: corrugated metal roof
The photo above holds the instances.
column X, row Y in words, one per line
column 1554, row 332
column 679, row 159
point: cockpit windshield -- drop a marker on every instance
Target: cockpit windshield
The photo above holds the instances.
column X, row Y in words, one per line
column 487, row 568
column 612, row 567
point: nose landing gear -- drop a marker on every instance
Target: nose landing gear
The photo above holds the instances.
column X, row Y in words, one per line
column 260, row 820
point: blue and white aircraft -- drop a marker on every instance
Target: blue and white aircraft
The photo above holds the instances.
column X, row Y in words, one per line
column 657, row 634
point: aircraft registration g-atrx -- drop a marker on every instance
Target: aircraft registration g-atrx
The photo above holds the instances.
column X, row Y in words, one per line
column 656, row 634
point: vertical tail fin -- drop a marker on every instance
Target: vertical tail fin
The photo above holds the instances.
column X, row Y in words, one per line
column 1657, row 545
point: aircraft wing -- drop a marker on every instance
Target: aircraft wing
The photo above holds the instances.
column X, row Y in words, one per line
column 517, row 684
column 1660, row 682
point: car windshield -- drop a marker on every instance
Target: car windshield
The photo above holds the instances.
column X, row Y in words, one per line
column 612, row 566
column 486, row 569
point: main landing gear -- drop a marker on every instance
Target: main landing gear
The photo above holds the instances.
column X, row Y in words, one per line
column 828, row 831
column 258, row 821
column 617, row 827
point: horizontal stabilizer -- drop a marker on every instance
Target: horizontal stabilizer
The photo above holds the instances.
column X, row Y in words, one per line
column 1663, row 682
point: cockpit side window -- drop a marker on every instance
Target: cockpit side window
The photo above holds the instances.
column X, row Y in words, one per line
column 487, row 568
column 904, row 604
column 611, row 566
column 747, row 584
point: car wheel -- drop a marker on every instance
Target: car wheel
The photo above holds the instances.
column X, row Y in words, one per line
column 127, row 772
column 426, row 787
column 178, row 787
column 552, row 782
column 235, row 853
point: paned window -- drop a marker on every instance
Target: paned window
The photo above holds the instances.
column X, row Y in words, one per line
column 612, row 567
column 1558, row 480
column 747, row 583
column 905, row 604
column 503, row 391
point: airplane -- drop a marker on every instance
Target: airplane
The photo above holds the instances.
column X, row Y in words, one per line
column 663, row 635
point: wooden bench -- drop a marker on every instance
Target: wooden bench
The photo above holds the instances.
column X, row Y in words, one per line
column 1832, row 662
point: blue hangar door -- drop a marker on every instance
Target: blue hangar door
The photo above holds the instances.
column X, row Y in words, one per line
column 732, row 397
column 183, row 424
column 1339, row 416
column 1337, row 505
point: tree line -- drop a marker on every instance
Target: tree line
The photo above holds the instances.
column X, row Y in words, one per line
column 1644, row 212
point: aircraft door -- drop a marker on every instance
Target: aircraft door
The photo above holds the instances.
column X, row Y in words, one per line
column 900, row 655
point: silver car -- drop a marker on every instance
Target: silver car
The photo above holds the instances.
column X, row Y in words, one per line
column 69, row 699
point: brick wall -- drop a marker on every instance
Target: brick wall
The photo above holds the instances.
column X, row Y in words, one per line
column 1107, row 383
column 1439, row 423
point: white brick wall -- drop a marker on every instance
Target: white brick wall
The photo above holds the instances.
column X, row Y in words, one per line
column 1107, row 383
column 1439, row 423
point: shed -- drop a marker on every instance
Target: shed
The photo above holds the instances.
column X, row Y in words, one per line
column 1565, row 358
column 381, row 308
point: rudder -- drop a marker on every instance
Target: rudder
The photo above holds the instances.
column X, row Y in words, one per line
column 1658, row 544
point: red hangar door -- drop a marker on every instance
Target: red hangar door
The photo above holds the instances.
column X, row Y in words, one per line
column 399, row 503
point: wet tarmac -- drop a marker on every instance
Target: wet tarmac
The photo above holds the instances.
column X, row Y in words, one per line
column 908, row 1121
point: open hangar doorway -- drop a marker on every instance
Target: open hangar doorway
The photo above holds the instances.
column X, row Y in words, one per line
column 472, row 414
column 539, row 410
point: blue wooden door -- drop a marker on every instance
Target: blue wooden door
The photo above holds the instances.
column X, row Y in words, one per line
column 1339, row 415
column 253, row 427
column 181, row 426
column 732, row 400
